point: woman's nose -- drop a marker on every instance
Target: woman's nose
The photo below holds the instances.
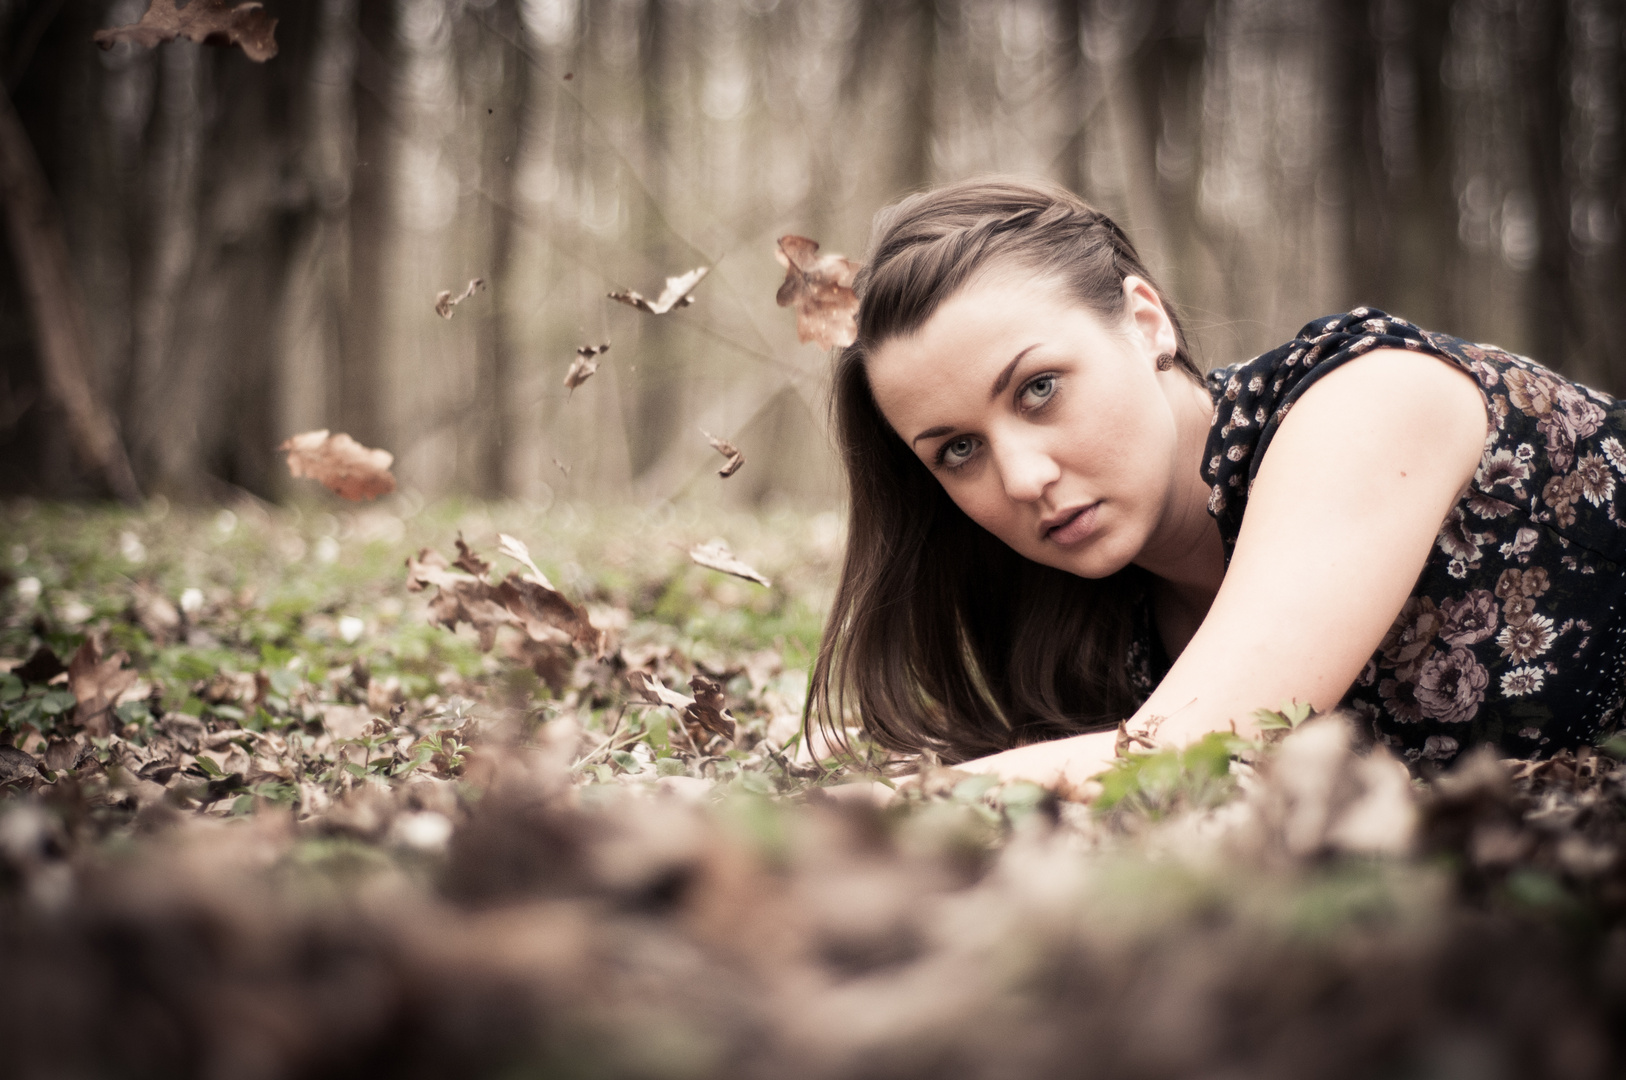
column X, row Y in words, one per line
column 1025, row 470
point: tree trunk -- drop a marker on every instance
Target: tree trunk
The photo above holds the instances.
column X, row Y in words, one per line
column 1554, row 329
column 358, row 376
column 56, row 307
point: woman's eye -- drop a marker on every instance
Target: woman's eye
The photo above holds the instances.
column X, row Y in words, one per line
column 957, row 451
column 1039, row 390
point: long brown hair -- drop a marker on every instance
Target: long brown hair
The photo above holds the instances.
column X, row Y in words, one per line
column 941, row 638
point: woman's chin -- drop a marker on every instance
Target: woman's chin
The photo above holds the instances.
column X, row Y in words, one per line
column 1089, row 560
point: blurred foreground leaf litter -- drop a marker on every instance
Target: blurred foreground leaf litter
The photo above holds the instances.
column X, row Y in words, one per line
column 523, row 860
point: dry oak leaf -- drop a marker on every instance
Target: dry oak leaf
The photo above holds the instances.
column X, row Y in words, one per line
column 675, row 295
column 820, row 287
column 340, row 464
column 728, row 450
column 468, row 561
column 525, row 601
column 706, row 709
column 96, row 684
column 710, row 708
column 716, row 556
column 459, row 597
column 583, row 367
column 654, row 692
column 445, row 301
column 207, row 22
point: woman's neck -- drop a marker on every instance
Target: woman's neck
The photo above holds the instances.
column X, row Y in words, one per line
column 1186, row 553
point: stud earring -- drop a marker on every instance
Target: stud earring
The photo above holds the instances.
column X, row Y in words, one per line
column 1165, row 362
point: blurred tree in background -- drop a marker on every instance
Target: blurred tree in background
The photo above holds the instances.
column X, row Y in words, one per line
column 259, row 246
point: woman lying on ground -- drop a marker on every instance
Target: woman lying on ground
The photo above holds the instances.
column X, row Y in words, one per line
column 1059, row 523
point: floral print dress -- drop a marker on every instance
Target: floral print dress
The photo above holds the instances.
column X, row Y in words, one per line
column 1516, row 632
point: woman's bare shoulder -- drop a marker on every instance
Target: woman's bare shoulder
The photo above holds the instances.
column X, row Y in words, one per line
column 1400, row 396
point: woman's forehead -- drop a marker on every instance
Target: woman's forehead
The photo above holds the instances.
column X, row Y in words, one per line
column 981, row 322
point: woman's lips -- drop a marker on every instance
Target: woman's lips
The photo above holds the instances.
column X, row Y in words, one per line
column 1075, row 528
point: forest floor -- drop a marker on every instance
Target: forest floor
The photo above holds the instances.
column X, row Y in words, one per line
column 261, row 816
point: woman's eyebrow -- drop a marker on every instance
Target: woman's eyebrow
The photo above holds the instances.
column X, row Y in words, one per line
column 931, row 433
column 1004, row 379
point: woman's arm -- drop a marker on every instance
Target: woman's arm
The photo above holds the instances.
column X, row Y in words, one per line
column 1347, row 504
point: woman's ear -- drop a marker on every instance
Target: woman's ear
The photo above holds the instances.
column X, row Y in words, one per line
column 1148, row 319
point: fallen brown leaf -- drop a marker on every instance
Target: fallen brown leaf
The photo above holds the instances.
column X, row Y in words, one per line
column 710, row 708
column 717, row 557
column 706, row 710
column 17, row 765
column 445, row 301
column 728, row 450
column 96, row 684
column 515, row 549
column 583, row 367
column 676, row 293
column 65, row 755
column 459, row 597
column 654, row 692
column 340, row 464
column 468, row 561
column 207, row 22
column 820, row 288
column 525, row 601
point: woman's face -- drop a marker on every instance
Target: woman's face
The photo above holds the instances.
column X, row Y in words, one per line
column 1049, row 427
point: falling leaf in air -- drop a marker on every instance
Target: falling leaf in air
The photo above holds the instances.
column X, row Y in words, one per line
column 562, row 466
column 716, row 556
column 676, row 293
column 340, row 464
column 96, row 684
column 820, row 287
column 207, row 22
column 583, row 367
column 445, row 301
column 728, row 450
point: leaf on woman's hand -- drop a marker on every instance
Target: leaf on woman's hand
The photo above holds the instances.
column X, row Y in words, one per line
column 728, row 450
column 716, row 556
column 820, row 288
column 675, row 295
column 340, row 463
column 583, row 367
column 445, row 301
column 207, row 22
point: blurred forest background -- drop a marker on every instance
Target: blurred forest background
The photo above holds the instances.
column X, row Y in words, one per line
column 259, row 246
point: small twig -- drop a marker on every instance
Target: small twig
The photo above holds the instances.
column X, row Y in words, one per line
column 607, row 743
